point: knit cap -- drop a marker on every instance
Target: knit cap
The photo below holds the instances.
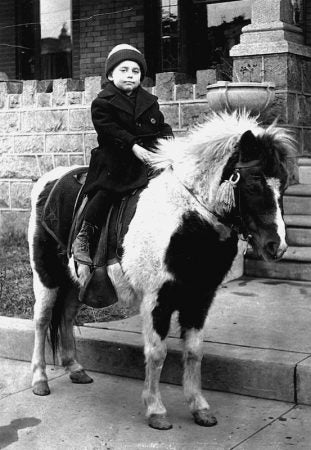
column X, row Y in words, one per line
column 125, row 52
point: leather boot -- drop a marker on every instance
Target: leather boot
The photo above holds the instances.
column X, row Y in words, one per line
column 82, row 243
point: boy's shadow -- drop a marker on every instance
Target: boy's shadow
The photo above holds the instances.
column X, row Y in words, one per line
column 9, row 433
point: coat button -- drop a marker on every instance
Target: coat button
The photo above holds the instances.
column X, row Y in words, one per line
column 153, row 120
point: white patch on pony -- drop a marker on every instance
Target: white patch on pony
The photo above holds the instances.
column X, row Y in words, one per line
column 274, row 185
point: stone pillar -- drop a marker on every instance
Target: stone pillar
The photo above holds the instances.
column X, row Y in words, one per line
column 272, row 49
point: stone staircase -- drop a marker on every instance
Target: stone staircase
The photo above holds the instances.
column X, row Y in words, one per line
column 296, row 263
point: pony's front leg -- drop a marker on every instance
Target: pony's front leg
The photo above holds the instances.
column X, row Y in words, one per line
column 68, row 351
column 199, row 407
column 45, row 299
column 155, row 352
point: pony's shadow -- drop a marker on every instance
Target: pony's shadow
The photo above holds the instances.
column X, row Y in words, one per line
column 9, row 433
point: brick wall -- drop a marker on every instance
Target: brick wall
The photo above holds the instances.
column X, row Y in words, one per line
column 96, row 37
column 47, row 124
column 7, row 50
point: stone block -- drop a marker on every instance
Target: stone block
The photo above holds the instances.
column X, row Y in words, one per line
column 9, row 122
column 6, row 144
column 74, row 98
column 15, row 87
column 247, row 69
column 194, row 114
column 56, row 143
column 14, row 100
column 272, row 11
column 61, row 160
column 4, row 194
column 14, row 166
column 305, row 110
column 80, row 120
column 184, row 91
column 45, row 163
column 90, row 140
column 44, row 99
column 307, row 143
column 28, row 121
column 20, row 195
column 45, row 86
column 93, row 86
column 306, row 77
column 29, row 144
column 204, row 78
column 76, row 160
column 51, row 121
column 171, row 115
column 29, row 92
column 60, row 89
column 3, row 99
column 165, row 84
column 278, row 109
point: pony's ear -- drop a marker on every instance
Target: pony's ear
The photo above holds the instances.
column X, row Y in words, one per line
column 248, row 147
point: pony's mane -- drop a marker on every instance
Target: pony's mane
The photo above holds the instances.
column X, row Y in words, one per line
column 215, row 140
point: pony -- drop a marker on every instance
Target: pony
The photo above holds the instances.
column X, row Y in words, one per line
column 224, row 179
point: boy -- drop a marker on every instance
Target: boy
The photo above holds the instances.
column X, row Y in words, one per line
column 128, row 121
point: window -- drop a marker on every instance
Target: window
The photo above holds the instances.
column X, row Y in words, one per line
column 170, row 36
column 44, row 48
column 189, row 35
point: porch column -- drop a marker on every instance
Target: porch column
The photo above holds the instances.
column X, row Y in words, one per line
column 272, row 49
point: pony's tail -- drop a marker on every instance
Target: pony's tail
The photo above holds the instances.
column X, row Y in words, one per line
column 56, row 320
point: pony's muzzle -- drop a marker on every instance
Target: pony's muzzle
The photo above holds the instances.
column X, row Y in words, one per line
column 275, row 249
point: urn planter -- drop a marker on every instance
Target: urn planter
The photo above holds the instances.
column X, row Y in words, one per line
column 251, row 96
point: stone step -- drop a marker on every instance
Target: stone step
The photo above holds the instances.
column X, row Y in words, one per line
column 284, row 269
column 298, row 221
column 303, row 190
column 293, row 253
column 297, row 205
column 304, row 170
column 298, row 236
column 304, row 162
column 304, row 174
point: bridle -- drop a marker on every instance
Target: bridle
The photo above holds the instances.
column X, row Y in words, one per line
column 236, row 221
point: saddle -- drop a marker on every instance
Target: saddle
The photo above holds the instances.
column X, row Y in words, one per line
column 62, row 216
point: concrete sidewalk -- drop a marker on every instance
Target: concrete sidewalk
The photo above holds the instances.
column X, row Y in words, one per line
column 257, row 342
column 108, row 414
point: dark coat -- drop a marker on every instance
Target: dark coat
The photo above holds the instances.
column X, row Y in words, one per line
column 120, row 123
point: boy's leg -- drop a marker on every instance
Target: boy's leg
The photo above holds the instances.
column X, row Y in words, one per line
column 95, row 216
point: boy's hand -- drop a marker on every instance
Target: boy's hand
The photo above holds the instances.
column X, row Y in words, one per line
column 141, row 153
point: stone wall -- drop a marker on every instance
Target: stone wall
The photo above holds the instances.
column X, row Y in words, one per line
column 45, row 124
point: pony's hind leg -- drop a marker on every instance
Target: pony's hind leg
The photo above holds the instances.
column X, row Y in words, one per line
column 68, row 350
column 45, row 300
column 155, row 352
column 199, row 407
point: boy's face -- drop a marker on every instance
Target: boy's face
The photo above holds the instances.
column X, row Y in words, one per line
column 126, row 76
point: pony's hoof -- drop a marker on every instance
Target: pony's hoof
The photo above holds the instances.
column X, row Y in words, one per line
column 204, row 418
column 159, row 422
column 41, row 388
column 80, row 377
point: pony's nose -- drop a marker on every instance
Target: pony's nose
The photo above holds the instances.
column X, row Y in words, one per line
column 276, row 249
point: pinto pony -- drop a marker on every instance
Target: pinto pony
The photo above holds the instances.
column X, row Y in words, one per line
column 177, row 249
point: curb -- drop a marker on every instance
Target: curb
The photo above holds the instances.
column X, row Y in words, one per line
column 264, row 373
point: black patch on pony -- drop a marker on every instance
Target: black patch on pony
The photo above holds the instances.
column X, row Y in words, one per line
column 51, row 265
column 198, row 261
column 253, row 196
